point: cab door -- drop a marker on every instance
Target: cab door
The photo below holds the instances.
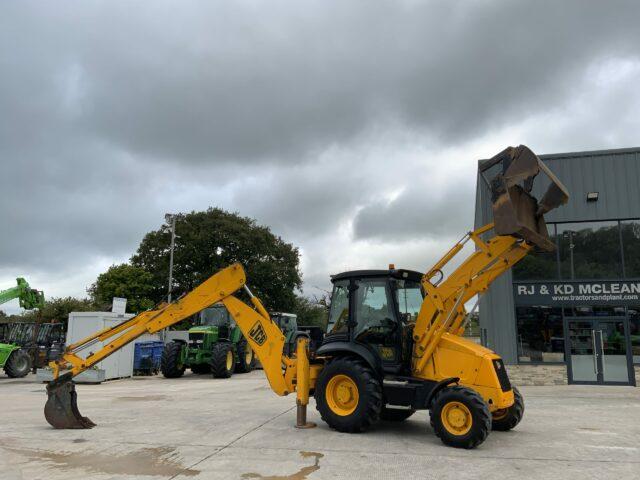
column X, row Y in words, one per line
column 375, row 322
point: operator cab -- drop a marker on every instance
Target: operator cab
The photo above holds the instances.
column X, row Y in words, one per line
column 376, row 309
column 216, row 316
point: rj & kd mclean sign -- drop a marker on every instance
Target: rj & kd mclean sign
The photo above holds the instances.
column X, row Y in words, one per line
column 606, row 292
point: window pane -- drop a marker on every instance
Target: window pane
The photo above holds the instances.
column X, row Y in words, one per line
column 589, row 250
column 631, row 246
column 373, row 312
column 634, row 332
column 540, row 334
column 409, row 298
column 339, row 312
column 538, row 264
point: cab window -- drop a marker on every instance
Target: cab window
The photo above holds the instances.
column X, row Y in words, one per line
column 374, row 315
column 339, row 312
column 409, row 299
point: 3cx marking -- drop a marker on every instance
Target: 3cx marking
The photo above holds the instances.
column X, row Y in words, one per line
column 257, row 333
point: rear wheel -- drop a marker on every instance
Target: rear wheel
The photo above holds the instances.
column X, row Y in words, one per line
column 507, row 418
column 460, row 417
column 222, row 360
column 348, row 395
column 396, row 414
column 246, row 358
column 201, row 368
column 18, row 364
column 171, row 364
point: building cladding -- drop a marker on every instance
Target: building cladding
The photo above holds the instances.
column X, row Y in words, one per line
column 575, row 306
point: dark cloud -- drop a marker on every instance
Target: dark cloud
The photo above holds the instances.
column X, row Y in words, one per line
column 309, row 116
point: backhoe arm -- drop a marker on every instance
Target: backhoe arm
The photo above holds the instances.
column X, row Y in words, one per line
column 262, row 334
column 29, row 298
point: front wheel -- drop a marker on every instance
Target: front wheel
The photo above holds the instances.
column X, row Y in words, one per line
column 348, row 395
column 246, row 357
column 222, row 360
column 18, row 364
column 507, row 418
column 171, row 364
column 460, row 417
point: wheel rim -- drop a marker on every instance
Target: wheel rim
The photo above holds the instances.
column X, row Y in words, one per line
column 342, row 395
column 248, row 355
column 456, row 418
column 500, row 414
column 21, row 363
column 229, row 360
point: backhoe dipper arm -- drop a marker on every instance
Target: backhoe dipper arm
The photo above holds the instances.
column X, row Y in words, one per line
column 262, row 334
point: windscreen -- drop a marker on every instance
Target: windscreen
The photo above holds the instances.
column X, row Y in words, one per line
column 214, row 316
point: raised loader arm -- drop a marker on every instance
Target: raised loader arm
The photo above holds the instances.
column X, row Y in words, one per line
column 518, row 227
column 28, row 297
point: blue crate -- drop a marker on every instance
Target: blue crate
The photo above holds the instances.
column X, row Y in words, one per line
column 146, row 356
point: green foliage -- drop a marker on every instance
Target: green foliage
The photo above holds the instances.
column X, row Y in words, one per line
column 54, row 310
column 126, row 281
column 311, row 311
column 208, row 241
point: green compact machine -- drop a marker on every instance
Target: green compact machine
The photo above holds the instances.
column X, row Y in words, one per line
column 216, row 346
column 15, row 361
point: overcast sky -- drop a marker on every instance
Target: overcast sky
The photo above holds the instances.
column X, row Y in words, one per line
column 352, row 129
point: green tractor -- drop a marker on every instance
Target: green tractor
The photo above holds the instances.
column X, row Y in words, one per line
column 288, row 324
column 215, row 346
column 15, row 361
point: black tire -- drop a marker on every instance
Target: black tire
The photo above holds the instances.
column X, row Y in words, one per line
column 366, row 411
column 396, row 414
column 221, row 367
column 244, row 353
column 201, row 368
column 170, row 365
column 470, row 435
column 18, row 364
column 505, row 420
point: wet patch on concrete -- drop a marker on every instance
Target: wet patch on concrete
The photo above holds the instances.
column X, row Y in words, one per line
column 299, row 475
column 160, row 461
column 145, row 398
column 79, row 440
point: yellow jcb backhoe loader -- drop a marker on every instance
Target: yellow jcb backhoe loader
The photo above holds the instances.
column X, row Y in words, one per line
column 393, row 343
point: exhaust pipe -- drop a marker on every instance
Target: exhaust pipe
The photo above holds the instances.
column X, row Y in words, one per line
column 61, row 409
column 516, row 211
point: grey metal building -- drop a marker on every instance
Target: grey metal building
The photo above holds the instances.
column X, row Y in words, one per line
column 580, row 305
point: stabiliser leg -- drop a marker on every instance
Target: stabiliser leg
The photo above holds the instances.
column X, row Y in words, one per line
column 302, row 384
column 61, row 409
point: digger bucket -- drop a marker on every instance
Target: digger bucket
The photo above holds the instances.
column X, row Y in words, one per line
column 61, row 409
column 516, row 211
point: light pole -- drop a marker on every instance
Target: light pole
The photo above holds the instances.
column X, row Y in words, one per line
column 170, row 218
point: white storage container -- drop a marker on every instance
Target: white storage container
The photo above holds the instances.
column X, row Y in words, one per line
column 83, row 324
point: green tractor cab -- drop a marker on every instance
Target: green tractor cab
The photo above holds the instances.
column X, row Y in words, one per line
column 215, row 346
column 288, row 324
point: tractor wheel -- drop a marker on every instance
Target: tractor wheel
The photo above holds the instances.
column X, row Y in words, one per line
column 222, row 360
column 170, row 363
column 246, row 357
column 460, row 417
column 201, row 368
column 348, row 395
column 396, row 414
column 507, row 418
column 18, row 364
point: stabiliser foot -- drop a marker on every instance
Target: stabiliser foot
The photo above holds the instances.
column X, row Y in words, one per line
column 61, row 409
column 301, row 417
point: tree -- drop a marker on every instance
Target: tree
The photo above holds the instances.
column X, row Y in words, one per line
column 210, row 240
column 311, row 311
column 127, row 281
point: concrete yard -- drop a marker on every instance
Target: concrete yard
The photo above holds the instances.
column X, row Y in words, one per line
column 200, row 428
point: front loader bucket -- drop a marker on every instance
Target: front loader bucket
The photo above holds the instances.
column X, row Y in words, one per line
column 61, row 409
column 515, row 210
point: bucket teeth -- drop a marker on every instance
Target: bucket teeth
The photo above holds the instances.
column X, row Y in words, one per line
column 61, row 409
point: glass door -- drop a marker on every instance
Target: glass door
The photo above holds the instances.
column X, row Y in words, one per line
column 598, row 351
